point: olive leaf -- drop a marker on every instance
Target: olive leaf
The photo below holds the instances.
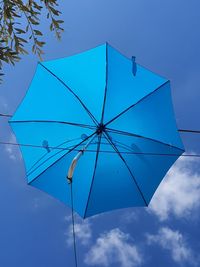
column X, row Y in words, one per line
column 19, row 25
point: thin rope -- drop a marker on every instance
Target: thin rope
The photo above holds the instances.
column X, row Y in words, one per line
column 107, row 151
column 83, row 125
column 189, row 131
column 140, row 136
column 73, row 225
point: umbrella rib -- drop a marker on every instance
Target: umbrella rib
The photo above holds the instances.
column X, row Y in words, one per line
column 94, row 172
column 52, row 156
column 106, row 85
column 119, row 154
column 60, row 151
column 63, row 156
column 141, row 136
column 51, row 121
column 147, row 153
column 71, row 91
column 133, row 105
column 5, row 115
column 57, row 147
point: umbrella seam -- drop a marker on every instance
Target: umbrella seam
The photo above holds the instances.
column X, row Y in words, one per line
column 106, row 85
column 133, row 105
column 115, row 148
column 70, row 90
column 94, row 172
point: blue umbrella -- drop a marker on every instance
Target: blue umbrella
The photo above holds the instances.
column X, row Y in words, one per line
column 101, row 122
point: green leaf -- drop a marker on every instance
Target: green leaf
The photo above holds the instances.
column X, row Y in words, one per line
column 60, row 21
column 38, row 32
column 54, row 11
column 19, row 31
column 39, row 43
column 22, row 51
column 33, row 48
column 34, row 22
column 13, row 16
column 22, row 40
column 10, row 29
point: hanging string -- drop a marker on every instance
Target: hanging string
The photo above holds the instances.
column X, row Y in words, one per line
column 73, row 225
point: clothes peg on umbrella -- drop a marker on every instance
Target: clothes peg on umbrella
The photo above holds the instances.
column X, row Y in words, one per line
column 134, row 66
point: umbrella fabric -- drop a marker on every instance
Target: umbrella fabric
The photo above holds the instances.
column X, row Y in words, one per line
column 130, row 117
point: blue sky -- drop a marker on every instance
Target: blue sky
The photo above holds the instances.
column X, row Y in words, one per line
column 35, row 228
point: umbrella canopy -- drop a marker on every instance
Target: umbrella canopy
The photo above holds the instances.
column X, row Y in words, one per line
column 123, row 110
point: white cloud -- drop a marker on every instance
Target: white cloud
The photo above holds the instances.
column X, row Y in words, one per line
column 174, row 242
column 83, row 232
column 179, row 193
column 129, row 216
column 114, row 247
column 41, row 202
column 12, row 150
column 3, row 104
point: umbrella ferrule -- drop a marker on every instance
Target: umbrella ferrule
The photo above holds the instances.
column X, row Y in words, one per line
column 100, row 128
